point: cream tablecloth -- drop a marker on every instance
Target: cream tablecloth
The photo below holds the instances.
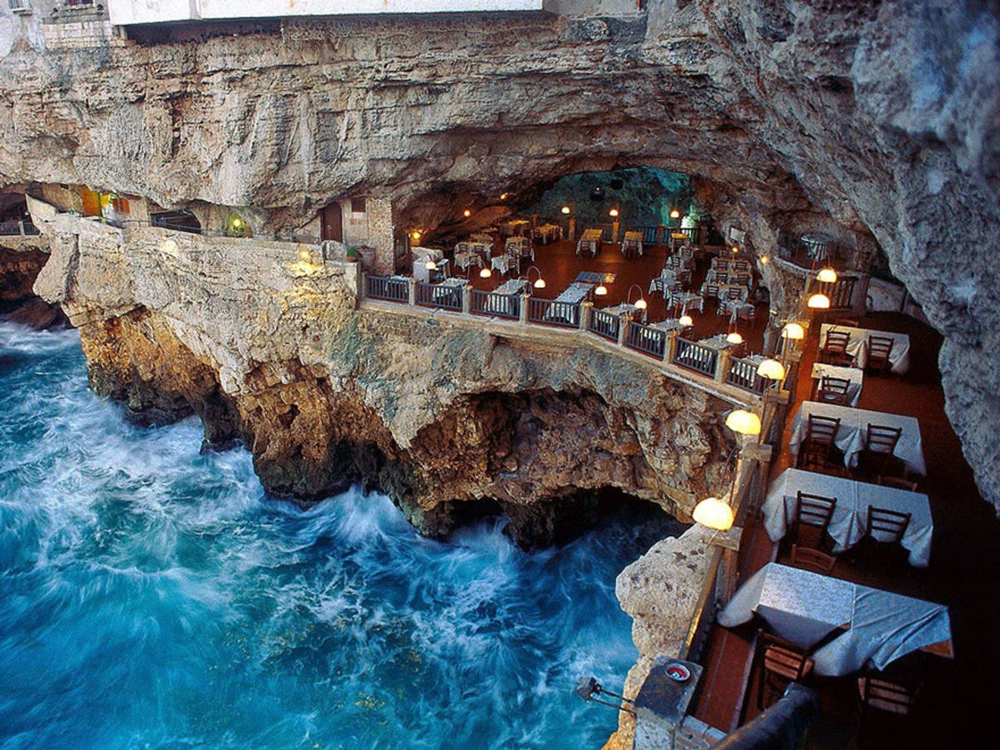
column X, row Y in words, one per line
column 853, row 431
column 855, row 376
column 850, row 516
column 589, row 243
column 857, row 346
column 803, row 607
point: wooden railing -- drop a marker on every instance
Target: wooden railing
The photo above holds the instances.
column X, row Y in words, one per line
column 646, row 339
column 549, row 312
column 387, row 288
column 743, row 374
column 439, row 296
column 650, row 235
column 605, row 324
column 498, row 305
column 696, row 357
column 18, row 228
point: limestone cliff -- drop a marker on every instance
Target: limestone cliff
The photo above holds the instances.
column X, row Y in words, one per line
column 872, row 120
column 264, row 342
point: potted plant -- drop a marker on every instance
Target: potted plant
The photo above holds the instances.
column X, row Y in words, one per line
column 352, row 254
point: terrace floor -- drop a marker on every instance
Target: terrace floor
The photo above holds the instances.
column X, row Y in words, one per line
column 559, row 264
column 957, row 695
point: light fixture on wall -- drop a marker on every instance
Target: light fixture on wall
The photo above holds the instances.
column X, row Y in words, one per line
column 675, row 214
column 467, row 213
column 735, row 249
column 827, row 276
column 565, row 210
column 819, row 302
column 613, row 213
column 539, row 282
column 415, row 234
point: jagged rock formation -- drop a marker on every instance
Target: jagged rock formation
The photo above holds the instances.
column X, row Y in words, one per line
column 441, row 412
column 866, row 119
column 21, row 259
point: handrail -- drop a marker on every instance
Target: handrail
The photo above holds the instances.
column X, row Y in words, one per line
column 605, row 324
column 694, row 356
column 550, row 312
column 743, row 374
column 646, row 339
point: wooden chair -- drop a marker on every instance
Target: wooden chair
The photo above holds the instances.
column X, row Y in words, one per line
column 879, row 349
column 882, row 704
column 812, row 519
column 899, row 483
column 881, row 546
column 779, row 664
column 711, row 292
column 834, row 349
column 807, row 558
column 833, row 390
column 877, row 458
column 817, row 449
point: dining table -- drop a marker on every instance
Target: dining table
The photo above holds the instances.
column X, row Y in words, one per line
column 547, row 233
column 589, row 243
column 686, row 300
column 857, row 345
column 854, row 376
column 504, row 299
column 632, row 244
column 849, row 521
column 852, row 432
column 850, row 627
column 465, row 259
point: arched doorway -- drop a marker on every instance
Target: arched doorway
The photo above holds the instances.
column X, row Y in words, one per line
column 332, row 223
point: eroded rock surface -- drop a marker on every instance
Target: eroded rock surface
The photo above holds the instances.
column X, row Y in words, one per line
column 866, row 119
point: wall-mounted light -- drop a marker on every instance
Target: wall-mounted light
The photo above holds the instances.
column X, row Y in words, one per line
column 764, row 260
column 675, row 214
column 613, row 213
column 503, row 196
column 466, row 213
column 735, row 249
column 819, row 302
column 565, row 209
column 304, row 254
column 415, row 234
column 827, row 276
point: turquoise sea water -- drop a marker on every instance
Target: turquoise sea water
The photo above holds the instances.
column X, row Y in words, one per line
column 154, row 597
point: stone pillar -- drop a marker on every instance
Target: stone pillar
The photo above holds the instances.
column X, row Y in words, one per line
column 722, row 366
column 614, row 230
column 381, row 235
column 524, row 308
column 585, row 307
column 572, row 229
column 466, row 299
column 412, row 290
column 670, row 347
column 623, row 322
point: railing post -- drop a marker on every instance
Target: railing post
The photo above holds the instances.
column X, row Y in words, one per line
column 523, row 317
column 363, row 286
column 670, row 347
column 585, row 308
column 623, row 324
column 722, row 365
column 20, row 226
column 411, row 291
column 466, row 299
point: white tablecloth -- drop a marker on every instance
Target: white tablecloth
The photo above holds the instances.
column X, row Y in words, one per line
column 465, row 259
column 473, row 246
column 853, row 431
column 449, row 288
column 687, row 300
column 804, row 607
column 857, row 346
column 502, row 263
column 575, row 292
column 630, row 241
column 850, row 515
column 589, row 243
column 854, row 375
column 677, row 263
column 717, row 342
column 503, row 299
column 548, row 233
column 737, row 309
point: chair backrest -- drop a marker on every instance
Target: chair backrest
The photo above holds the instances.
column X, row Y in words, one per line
column 808, row 558
column 720, row 264
column 712, row 291
column 822, row 430
column 887, row 526
column 898, row 483
column 882, row 439
column 833, row 390
column 743, row 279
column 879, row 348
column 782, row 657
column 814, row 510
column 719, row 277
column 885, row 696
column 733, row 294
column 836, row 341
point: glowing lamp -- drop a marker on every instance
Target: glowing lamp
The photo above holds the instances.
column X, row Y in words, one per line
column 735, row 248
column 714, row 513
column 503, row 196
column 466, row 213
column 686, row 321
column 415, row 235
column 771, row 369
column 601, row 290
column 675, row 214
column 827, row 276
column 431, row 265
column 764, row 260
column 304, row 254
column 539, row 283
column 613, row 213
column 734, row 338
column 565, row 209
column 819, row 302
column 485, row 273
column 743, row 422
column 640, row 304
column 237, row 222
column 793, row 332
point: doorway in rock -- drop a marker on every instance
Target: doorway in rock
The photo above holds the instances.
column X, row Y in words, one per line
column 332, row 223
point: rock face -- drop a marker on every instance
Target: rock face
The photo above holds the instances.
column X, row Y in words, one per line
column 21, row 259
column 874, row 120
column 445, row 413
